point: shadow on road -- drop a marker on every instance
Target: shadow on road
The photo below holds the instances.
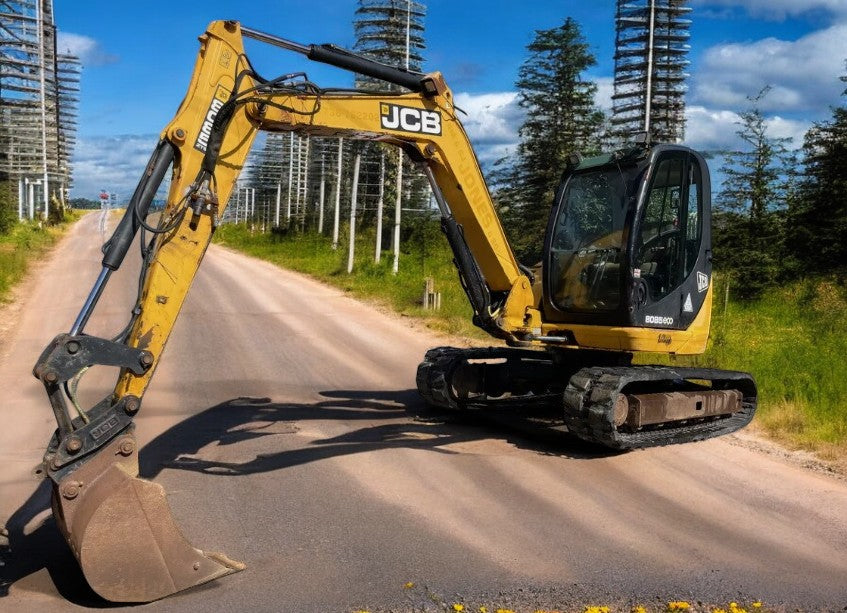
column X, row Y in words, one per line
column 41, row 556
column 408, row 424
column 394, row 419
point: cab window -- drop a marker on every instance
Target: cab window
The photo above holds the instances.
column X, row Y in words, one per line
column 661, row 243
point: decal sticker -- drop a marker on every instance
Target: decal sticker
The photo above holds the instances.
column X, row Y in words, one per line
column 665, row 339
column 702, row 282
column 409, row 119
column 636, row 273
column 221, row 96
column 658, row 319
column 226, row 58
column 688, row 307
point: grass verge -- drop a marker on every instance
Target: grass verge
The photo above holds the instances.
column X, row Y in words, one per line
column 25, row 243
column 793, row 340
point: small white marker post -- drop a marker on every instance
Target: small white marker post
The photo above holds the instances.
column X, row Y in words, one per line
column 350, row 253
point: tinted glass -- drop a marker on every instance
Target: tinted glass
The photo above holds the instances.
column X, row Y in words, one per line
column 659, row 246
column 693, row 218
column 585, row 255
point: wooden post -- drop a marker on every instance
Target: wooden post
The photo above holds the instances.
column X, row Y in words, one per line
column 428, row 284
column 431, row 298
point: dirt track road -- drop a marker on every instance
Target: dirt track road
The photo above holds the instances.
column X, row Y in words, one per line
column 284, row 426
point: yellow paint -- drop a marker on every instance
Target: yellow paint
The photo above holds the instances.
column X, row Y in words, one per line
column 656, row 340
column 179, row 253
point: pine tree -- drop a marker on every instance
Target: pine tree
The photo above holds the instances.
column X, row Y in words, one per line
column 817, row 224
column 8, row 203
column 750, row 208
column 561, row 118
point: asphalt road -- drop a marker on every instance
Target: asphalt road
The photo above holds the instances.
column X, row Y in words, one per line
column 284, row 426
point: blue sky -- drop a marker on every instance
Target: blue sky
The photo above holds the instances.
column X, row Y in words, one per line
column 138, row 57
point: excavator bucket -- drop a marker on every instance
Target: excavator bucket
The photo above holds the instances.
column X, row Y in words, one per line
column 121, row 530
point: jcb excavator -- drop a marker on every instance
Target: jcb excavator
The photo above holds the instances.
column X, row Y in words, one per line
column 627, row 268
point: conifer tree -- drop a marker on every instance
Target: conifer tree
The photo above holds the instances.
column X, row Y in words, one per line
column 750, row 209
column 561, row 118
column 817, row 224
column 390, row 32
column 7, row 205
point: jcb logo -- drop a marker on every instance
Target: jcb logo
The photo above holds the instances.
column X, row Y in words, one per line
column 408, row 119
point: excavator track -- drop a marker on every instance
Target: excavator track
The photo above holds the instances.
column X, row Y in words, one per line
column 594, row 398
column 620, row 407
column 449, row 378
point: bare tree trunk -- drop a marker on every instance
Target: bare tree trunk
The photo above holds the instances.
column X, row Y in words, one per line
column 322, row 193
column 278, row 197
column 290, row 179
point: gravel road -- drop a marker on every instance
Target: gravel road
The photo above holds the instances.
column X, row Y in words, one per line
column 284, row 426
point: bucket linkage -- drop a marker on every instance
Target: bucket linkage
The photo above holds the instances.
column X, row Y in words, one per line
column 119, row 526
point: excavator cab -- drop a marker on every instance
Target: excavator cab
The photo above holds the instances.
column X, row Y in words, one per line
column 628, row 240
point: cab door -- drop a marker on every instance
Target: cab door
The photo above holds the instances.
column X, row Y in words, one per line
column 671, row 244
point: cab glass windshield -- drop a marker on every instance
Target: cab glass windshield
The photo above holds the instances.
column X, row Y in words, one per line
column 586, row 252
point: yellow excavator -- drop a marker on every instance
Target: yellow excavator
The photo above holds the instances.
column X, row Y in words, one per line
column 626, row 269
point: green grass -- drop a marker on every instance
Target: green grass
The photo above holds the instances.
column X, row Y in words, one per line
column 793, row 340
column 22, row 245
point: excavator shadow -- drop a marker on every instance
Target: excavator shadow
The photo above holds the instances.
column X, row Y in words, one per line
column 38, row 559
column 395, row 419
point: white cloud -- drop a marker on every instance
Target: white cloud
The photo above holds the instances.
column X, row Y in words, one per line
column 489, row 154
column 803, row 73
column 85, row 48
column 775, row 9
column 492, row 123
column 710, row 129
column 715, row 129
column 492, row 119
column 113, row 163
column 780, row 127
column 605, row 89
